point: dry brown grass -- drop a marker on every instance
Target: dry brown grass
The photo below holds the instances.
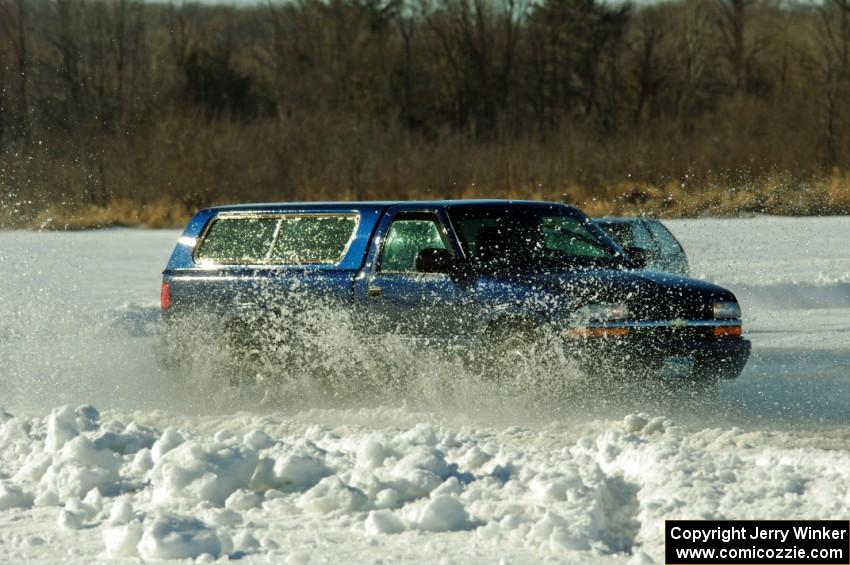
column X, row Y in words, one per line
column 162, row 213
column 773, row 195
column 186, row 163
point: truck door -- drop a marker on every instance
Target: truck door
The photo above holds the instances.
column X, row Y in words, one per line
column 399, row 298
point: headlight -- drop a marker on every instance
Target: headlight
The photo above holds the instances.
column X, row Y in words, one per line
column 600, row 313
column 727, row 311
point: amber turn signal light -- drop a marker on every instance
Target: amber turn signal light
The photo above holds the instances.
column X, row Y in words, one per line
column 599, row 332
column 728, row 331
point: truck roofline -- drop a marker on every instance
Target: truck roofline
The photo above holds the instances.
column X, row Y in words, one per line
column 622, row 219
column 371, row 204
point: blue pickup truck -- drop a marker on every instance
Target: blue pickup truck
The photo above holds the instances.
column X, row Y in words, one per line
column 486, row 274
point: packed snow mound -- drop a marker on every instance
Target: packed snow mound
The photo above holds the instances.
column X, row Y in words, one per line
column 171, row 536
column 243, row 490
column 202, row 471
column 13, row 496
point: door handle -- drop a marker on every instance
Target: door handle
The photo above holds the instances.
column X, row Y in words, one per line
column 374, row 291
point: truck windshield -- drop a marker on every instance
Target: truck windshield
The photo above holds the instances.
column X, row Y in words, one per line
column 532, row 239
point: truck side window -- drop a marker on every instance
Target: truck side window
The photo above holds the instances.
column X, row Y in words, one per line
column 668, row 243
column 642, row 237
column 620, row 232
column 312, row 239
column 405, row 239
column 238, row 240
column 571, row 237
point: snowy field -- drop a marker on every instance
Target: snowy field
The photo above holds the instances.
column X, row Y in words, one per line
column 105, row 457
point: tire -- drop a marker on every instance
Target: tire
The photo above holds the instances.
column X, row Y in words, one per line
column 511, row 355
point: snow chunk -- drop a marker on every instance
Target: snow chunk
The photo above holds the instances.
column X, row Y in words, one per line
column 121, row 540
column 142, row 462
column 451, row 486
column 635, row 422
column 94, row 499
column 61, row 427
column 75, row 514
column 223, row 517
column 245, row 542
column 88, row 418
column 242, row 500
column 293, row 472
column 47, row 498
column 562, row 539
column 383, row 522
column 170, row 536
column 332, row 494
column 202, row 471
column 546, row 526
column 80, row 467
column 69, row 520
column 258, row 439
column 475, row 458
column 443, row 513
column 421, row 434
column 168, row 440
column 386, row 498
column 420, row 472
column 125, row 440
column 558, row 487
column 13, row 496
column 657, row 424
column 371, row 454
column 34, row 467
column 426, row 459
column 121, row 512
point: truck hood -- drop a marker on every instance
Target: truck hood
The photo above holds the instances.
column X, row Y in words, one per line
column 650, row 295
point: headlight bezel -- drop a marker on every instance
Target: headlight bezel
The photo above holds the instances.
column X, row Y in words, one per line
column 726, row 310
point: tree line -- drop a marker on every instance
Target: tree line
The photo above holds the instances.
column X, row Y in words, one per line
column 137, row 111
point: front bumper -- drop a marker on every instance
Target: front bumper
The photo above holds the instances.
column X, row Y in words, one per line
column 689, row 352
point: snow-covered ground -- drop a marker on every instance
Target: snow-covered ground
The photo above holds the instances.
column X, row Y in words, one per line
column 103, row 456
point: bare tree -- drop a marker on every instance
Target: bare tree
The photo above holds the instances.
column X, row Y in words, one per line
column 65, row 40
column 835, row 68
column 182, row 29
column 650, row 70
column 13, row 28
column 693, row 61
column 733, row 16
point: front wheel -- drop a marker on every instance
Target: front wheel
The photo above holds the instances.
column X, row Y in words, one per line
column 512, row 357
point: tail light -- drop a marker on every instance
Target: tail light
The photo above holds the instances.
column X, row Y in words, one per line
column 165, row 296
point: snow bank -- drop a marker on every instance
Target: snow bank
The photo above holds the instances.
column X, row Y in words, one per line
column 282, row 490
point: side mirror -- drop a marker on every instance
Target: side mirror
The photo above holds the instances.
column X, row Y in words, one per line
column 639, row 256
column 433, row 260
